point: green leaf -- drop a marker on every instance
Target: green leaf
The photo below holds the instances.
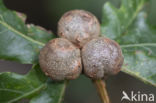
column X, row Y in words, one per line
column 18, row 41
column 22, row 43
column 139, row 50
column 52, row 94
column 116, row 21
column 14, row 87
column 128, row 26
column 40, row 34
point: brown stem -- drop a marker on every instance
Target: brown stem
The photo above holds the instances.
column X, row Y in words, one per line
column 101, row 88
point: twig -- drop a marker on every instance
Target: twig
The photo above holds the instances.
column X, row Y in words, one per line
column 101, row 88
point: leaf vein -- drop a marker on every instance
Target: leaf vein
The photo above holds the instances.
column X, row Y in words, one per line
column 10, row 90
column 138, row 45
column 28, row 93
column 21, row 34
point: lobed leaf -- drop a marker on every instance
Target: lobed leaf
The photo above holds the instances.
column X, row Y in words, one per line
column 128, row 26
column 22, row 43
column 18, row 41
column 14, row 87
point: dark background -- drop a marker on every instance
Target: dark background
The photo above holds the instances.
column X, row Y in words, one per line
column 46, row 13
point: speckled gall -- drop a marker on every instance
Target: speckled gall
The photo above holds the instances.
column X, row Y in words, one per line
column 101, row 56
column 60, row 59
column 79, row 27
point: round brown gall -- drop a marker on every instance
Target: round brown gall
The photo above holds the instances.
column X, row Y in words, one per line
column 101, row 57
column 60, row 59
column 79, row 27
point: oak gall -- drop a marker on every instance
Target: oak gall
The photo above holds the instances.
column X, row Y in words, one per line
column 101, row 56
column 78, row 26
column 60, row 60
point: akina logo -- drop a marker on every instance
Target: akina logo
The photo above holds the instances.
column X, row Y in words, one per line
column 140, row 97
